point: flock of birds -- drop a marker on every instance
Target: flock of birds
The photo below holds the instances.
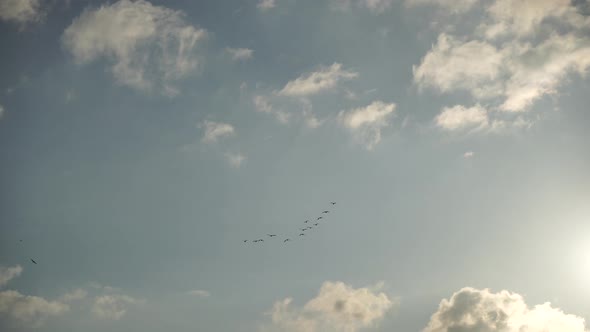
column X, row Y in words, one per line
column 309, row 226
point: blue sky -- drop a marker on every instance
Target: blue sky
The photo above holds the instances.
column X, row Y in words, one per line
column 143, row 142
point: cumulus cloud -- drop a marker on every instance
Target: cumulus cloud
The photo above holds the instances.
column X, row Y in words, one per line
column 521, row 52
column 368, row 121
column 238, row 54
column 29, row 311
column 265, row 5
column 473, row 310
column 199, row 293
column 20, row 11
column 461, row 117
column 149, row 46
column 215, row 131
column 337, row 307
column 235, row 159
column 454, row 64
column 324, row 79
column 113, row 307
column 8, row 273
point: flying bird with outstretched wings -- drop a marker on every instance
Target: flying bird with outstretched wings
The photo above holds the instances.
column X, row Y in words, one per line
column 271, row 235
column 286, row 240
column 326, row 211
column 32, row 260
column 302, row 234
column 320, row 218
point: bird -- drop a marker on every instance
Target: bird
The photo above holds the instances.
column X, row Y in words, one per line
column 32, row 260
column 306, row 221
column 245, row 241
column 271, row 235
column 285, row 240
column 333, row 203
column 303, row 229
column 316, row 224
column 260, row 240
column 301, row 234
column 320, row 218
column 326, row 211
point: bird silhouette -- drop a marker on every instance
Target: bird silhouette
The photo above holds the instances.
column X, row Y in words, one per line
column 333, row 203
column 306, row 221
column 320, row 218
column 286, row 240
column 326, row 211
column 271, row 235
column 316, row 224
column 245, row 241
column 302, row 234
column 32, row 260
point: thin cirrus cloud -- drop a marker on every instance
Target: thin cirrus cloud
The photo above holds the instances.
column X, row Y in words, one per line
column 262, row 104
column 513, row 58
column 150, row 47
column 199, row 293
column 456, row 6
column 213, row 131
column 337, row 307
column 324, row 79
column 240, row 54
column 367, row 122
column 472, row 309
column 374, row 6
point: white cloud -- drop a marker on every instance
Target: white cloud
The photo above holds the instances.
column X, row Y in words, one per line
column 452, row 64
column 8, row 273
column 265, row 5
column 523, row 17
column 460, row 117
column 468, row 155
column 215, row 131
column 20, row 11
column 30, row 311
column 473, row 310
column 326, row 78
column 368, row 121
column 235, row 159
column 199, row 293
column 456, row 6
column 337, row 307
column 262, row 104
column 113, row 307
column 531, row 59
column 149, row 46
column 238, row 54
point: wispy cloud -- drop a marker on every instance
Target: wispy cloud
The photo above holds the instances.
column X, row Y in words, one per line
column 324, row 79
column 240, row 54
column 367, row 122
column 468, row 155
column 9, row 273
column 215, row 130
column 113, row 307
column 235, row 159
column 265, row 5
column 150, row 46
column 199, row 293
column 21, row 12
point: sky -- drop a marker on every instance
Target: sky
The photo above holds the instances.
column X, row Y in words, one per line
column 144, row 146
